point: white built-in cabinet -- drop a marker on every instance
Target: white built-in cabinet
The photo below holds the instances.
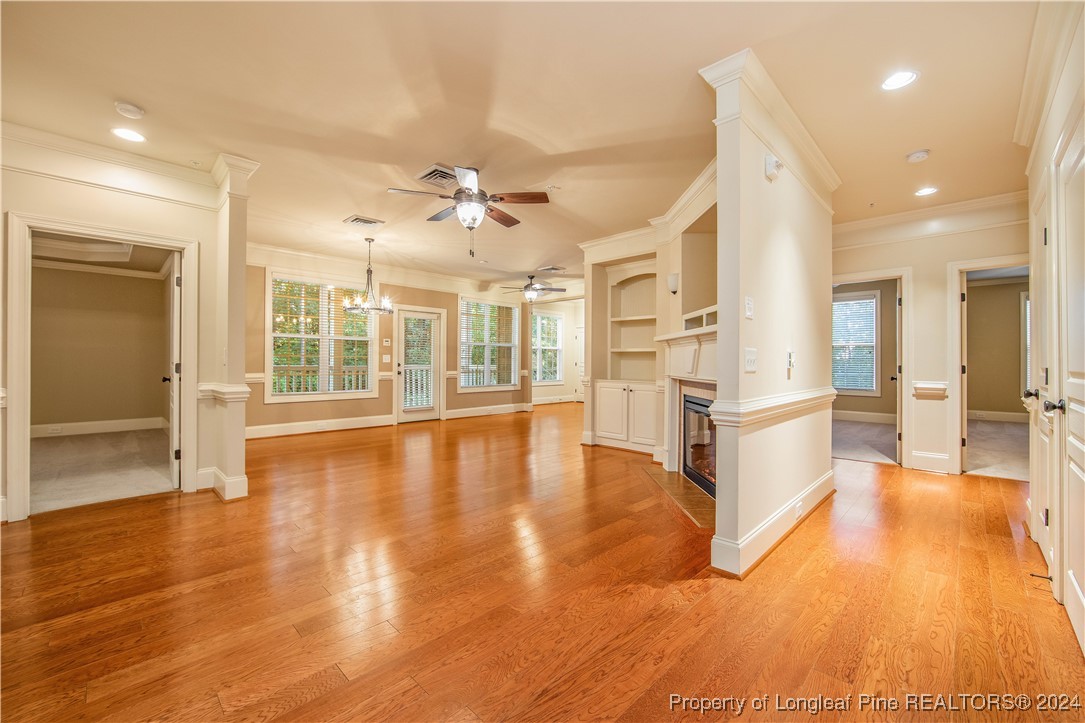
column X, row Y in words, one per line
column 625, row 414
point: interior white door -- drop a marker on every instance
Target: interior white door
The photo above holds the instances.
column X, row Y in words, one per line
column 173, row 373
column 964, row 374
column 1069, row 406
column 1040, row 448
column 416, row 366
column 897, row 376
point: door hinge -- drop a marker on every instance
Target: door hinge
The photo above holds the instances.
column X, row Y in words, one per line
column 1045, row 235
column 177, row 281
column 177, row 368
column 962, row 296
column 900, row 301
column 177, row 454
column 1047, row 513
column 900, row 438
column 964, row 369
column 964, row 442
column 899, row 368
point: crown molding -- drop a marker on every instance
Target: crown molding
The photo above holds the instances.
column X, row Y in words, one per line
column 705, row 180
column 51, row 141
column 745, row 67
column 1002, row 201
column 1052, row 36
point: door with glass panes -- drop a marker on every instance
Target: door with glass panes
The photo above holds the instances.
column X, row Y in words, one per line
column 417, row 380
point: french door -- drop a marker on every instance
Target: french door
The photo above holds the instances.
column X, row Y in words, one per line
column 417, row 366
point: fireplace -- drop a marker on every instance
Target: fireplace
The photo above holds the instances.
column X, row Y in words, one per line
column 699, row 443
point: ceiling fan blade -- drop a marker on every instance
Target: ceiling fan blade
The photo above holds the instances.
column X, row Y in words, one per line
column 418, row 193
column 501, row 217
column 514, row 288
column 468, row 178
column 554, row 289
column 526, row 197
column 442, row 215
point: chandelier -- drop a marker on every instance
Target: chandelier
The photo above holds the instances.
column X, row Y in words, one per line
column 363, row 303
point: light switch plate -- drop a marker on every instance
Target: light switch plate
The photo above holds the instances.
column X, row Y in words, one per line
column 749, row 307
column 751, row 360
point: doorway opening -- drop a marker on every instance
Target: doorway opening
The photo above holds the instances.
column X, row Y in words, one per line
column 866, row 370
column 420, row 376
column 104, row 343
column 995, row 369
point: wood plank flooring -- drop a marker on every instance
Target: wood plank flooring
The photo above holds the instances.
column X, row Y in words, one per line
column 497, row 570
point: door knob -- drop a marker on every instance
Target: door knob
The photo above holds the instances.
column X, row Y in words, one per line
column 1052, row 406
column 892, row 379
column 165, row 379
column 1030, row 393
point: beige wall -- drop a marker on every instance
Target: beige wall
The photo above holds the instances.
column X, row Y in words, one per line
column 99, row 347
column 259, row 413
column 994, row 347
column 886, row 401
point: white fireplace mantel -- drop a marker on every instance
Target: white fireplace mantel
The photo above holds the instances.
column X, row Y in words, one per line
column 690, row 354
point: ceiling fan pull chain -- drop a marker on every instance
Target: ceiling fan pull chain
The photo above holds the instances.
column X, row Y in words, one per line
column 472, row 242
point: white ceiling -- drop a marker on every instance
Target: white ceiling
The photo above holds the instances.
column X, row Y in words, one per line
column 338, row 101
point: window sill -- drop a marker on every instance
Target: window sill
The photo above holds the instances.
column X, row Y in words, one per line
column 492, row 388
column 270, row 398
column 858, row 393
column 557, row 383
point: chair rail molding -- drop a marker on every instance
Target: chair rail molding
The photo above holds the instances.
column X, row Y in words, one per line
column 743, row 413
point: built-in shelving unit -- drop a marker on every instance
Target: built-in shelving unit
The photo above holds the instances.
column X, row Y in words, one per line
column 699, row 319
column 632, row 322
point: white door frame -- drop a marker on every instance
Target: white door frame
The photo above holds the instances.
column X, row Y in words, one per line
column 903, row 276
column 955, row 271
column 439, row 375
column 21, row 228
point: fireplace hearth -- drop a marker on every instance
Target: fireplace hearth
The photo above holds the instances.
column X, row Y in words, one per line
column 699, row 443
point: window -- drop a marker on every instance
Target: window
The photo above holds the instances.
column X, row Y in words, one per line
column 546, row 348
column 489, row 344
column 855, row 343
column 317, row 350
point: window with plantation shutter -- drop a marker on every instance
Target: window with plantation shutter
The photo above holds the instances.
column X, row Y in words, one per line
column 855, row 343
column 546, row 348
column 317, row 349
column 489, row 344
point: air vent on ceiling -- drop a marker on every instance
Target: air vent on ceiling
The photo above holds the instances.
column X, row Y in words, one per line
column 363, row 221
column 551, row 269
column 438, row 175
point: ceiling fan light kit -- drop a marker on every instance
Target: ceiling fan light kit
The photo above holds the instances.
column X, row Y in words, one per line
column 533, row 289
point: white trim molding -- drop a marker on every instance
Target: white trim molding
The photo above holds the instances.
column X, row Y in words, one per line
column 105, row 426
column 3, row 508
column 738, row 556
column 742, row 413
column 985, row 416
column 223, row 392
column 845, row 415
column 1052, row 36
column 230, row 488
column 553, row 400
column 486, row 411
column 254, row 377
column 319, row 425
column 3, row 398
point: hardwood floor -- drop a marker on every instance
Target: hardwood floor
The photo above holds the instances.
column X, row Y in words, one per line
column 496, row 570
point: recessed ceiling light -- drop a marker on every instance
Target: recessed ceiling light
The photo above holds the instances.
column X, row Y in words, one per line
column 899, row 79
column 918, row 156
column 128, row 135
column 128, row 110
column 926, row 191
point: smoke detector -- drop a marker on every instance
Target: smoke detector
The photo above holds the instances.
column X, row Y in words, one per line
column 918, row 156
column 128, row 110
column 362, row 221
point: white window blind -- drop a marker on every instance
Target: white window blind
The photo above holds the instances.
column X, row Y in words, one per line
column 489, row 343
column 855, row 339
column 316, row 346
column 546, row 347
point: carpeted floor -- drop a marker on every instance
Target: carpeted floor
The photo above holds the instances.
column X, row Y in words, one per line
column 87, row 468
column 997, row 449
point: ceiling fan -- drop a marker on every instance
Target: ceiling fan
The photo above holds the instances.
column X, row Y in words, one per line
column 533, row 289
column 472, row 205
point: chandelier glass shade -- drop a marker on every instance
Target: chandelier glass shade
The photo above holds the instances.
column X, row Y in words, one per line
column 470, row 214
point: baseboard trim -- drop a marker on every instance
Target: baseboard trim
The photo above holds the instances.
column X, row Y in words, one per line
column 205, row 478
column 3, row 508
column 486, row 411
column 659, row 455
column 1075, row 605
column 70, row 429
column 739, row 557
column 230, row 488
column 318, row 425
column 984, row 416
column 588, row 439
column 931, row 462
column 647, row 449
column 553, row 400
column 844, row 415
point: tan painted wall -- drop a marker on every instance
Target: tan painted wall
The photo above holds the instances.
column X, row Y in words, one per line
column 259, row 413
column 886, row 403
column 994, row 347
column 99, row 347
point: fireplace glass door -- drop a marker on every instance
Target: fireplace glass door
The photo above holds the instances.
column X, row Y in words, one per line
column 699, row 440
